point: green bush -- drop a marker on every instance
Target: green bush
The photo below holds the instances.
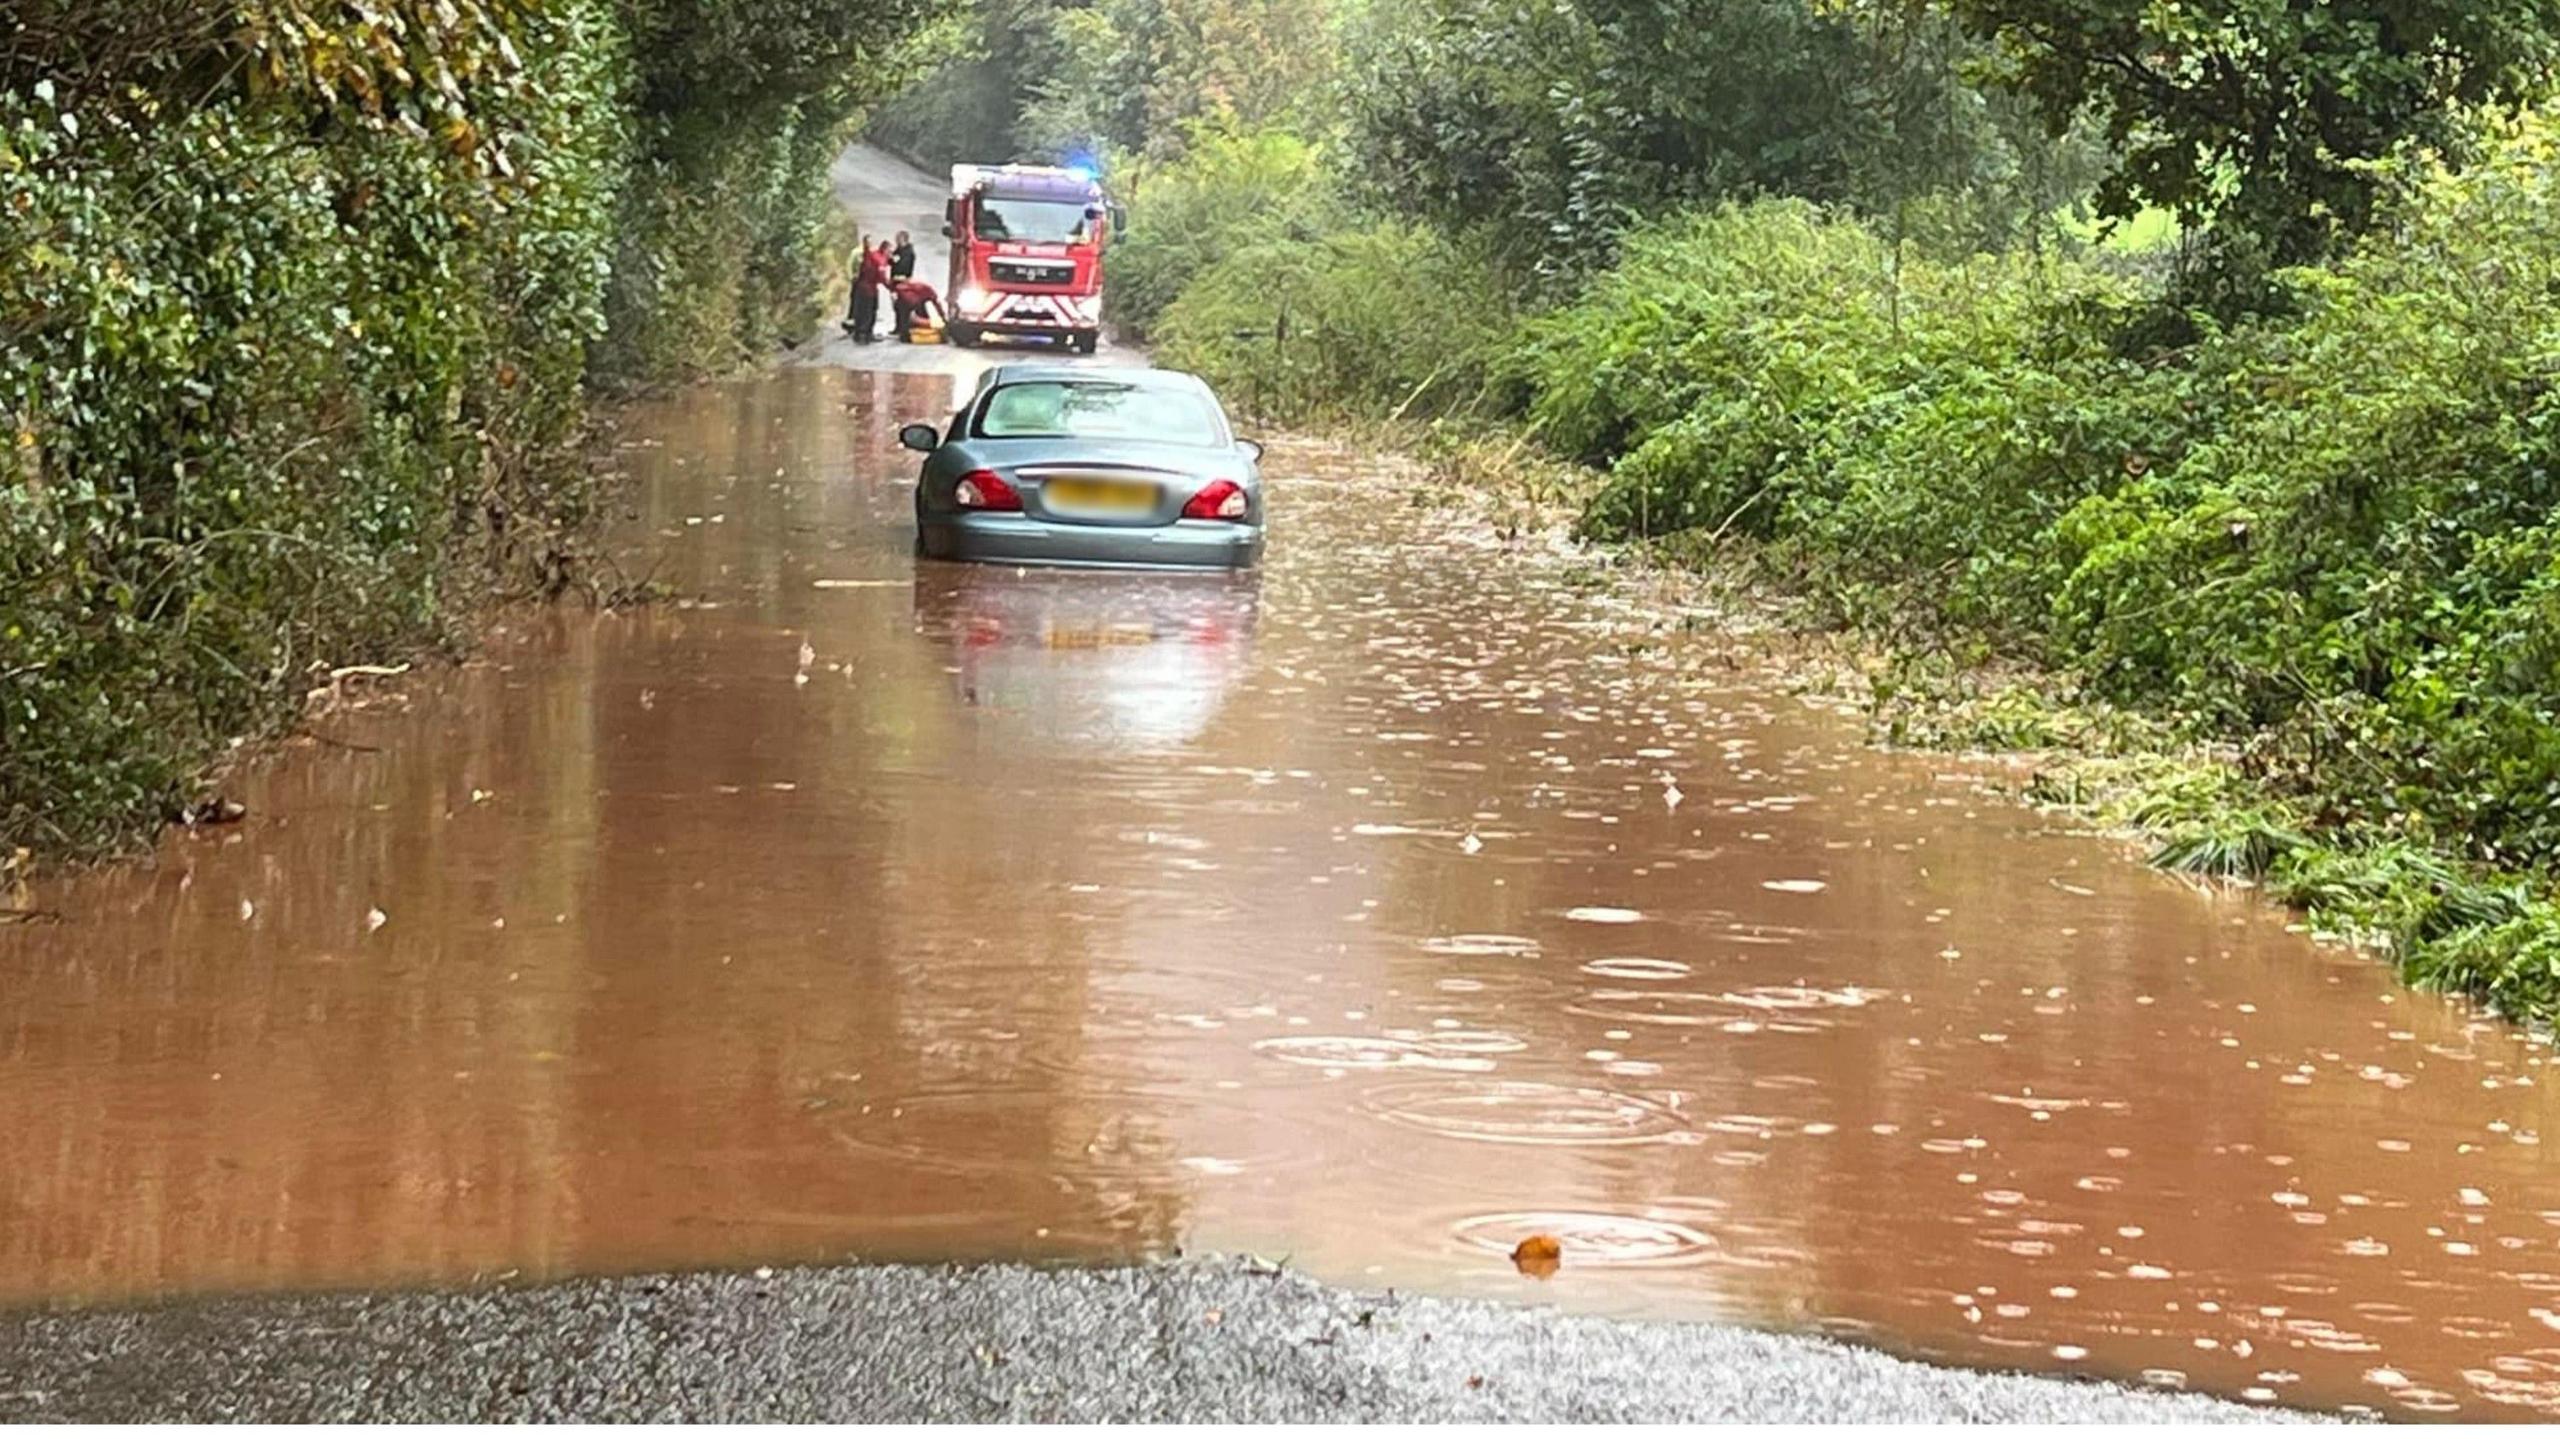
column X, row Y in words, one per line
column 2514, row 963
column 1707, row 364
column 2361, row 568
column 719, row 238
column 299, row 307
column 1230, row 189
column 1905, row 429
column 1390, row 319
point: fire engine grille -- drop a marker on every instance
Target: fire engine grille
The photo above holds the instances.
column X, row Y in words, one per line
column 1031, row 272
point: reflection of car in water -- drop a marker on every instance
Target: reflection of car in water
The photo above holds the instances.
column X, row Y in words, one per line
column 1083, row 660
column 1124, row 468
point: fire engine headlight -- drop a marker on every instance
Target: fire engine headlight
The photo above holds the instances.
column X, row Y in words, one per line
column 971, row 298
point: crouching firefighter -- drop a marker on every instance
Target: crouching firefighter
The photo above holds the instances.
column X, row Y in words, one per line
column 913, row 302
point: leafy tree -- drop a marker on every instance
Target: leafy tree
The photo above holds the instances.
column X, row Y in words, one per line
column 1098, row 83
column 1564, row 124
column 702, row 53
column 2261, row 113
column 1228, row 190
column 1044, row 80
column 1134, row 74
column 741, row 105
column 965, row 101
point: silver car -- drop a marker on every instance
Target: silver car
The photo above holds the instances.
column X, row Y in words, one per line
column 1053, row 464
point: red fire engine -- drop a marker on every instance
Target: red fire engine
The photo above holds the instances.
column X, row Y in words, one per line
column 1026, row 252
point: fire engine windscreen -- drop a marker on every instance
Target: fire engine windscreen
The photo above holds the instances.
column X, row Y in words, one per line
column 1033, row 222
column 1050, row 409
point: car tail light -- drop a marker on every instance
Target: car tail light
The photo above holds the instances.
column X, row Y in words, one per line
column 984, row 490
column 1218, row 500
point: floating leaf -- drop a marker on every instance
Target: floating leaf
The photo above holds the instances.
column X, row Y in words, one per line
column 1539, row 1256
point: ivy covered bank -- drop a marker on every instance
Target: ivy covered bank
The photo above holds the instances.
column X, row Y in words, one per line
column 301, row 303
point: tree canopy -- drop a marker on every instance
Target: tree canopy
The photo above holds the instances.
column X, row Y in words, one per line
column 2261, row 114
column 1562, row 124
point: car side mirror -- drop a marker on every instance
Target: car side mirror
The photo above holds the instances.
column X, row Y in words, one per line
column 924, row 439
column 1119, row 220
column 1251, row 447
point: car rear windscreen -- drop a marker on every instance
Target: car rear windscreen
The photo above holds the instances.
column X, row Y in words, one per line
column 1096, row 410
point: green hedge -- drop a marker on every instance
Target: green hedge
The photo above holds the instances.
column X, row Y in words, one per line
column 1385, row 319
column 2360, row 567
column 1908, row 429
column 1243, row 263
column 280, row 376
column 300, row 306
column 719, row 241
column 1229, row 190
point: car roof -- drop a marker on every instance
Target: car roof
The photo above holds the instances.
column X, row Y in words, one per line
column 1146, row 375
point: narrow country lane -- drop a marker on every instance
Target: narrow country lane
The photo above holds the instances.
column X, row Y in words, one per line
column 885, row 195
column 1420, row 894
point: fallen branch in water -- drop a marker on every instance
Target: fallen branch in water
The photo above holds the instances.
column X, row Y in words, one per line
column 338, row 677
column 336, row 743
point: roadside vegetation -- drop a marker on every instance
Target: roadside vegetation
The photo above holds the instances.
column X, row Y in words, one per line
column 2171, row 389
column 301, row 304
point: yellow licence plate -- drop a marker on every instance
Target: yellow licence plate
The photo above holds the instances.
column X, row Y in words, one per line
column 1094, row 637
column 1101, row 497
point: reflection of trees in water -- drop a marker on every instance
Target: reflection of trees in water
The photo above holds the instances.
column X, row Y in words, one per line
column 1096, row 409
column 202, row 1100
column 202, row 1097
column 996, row 956
column 891, row 937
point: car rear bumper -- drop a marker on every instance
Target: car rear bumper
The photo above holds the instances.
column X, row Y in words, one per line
column 1021, row 540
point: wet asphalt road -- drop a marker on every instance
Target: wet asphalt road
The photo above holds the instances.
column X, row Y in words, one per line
column 1190, row 1342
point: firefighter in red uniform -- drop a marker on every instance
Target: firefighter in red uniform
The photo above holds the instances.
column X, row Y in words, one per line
column 910, row 302
column 868, row 281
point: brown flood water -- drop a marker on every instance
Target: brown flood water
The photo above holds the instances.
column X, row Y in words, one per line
column 1374, row 913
